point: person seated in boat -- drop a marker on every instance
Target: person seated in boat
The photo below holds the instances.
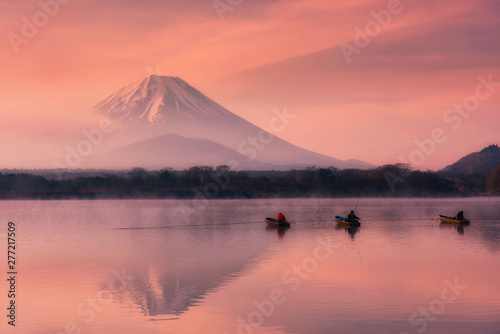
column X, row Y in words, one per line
column 460, row 215
column 352, row 217
column 280, row 217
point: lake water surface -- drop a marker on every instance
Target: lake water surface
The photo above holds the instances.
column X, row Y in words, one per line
column 142, row 266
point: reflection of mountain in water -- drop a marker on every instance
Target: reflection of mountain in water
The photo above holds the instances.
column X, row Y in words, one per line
column 167, row 286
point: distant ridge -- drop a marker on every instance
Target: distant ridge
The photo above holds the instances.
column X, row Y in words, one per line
column 483, row 162
column 176, row 152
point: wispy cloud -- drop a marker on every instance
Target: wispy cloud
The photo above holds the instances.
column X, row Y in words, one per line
column 264, row 53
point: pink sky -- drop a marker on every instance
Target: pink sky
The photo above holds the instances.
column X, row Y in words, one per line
column 265, row 54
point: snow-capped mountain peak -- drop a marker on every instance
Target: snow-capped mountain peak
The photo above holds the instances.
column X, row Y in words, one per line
column 164, row 105
column 158, row 99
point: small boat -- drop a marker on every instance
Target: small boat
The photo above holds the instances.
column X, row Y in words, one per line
column 344, row 222
column 452, row 220
column 277, row 223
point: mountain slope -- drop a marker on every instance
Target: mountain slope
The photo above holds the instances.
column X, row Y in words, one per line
column 161, row 105
column 483, row 162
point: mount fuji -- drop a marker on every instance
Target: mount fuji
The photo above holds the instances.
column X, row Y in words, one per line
column 160, row 99
column 160, row 112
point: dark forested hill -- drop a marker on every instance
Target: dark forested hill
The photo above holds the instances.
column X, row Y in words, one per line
column 478, row 162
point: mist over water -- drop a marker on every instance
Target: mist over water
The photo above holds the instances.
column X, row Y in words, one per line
column 139, row 266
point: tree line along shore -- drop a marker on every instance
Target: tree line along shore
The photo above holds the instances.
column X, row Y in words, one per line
column 220, row 182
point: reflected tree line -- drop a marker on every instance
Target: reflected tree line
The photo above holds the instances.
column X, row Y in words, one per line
column 309, row 182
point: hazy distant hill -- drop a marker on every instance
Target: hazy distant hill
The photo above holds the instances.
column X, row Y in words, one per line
column 160, row 105
column 175, row 152
column 483, row 162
